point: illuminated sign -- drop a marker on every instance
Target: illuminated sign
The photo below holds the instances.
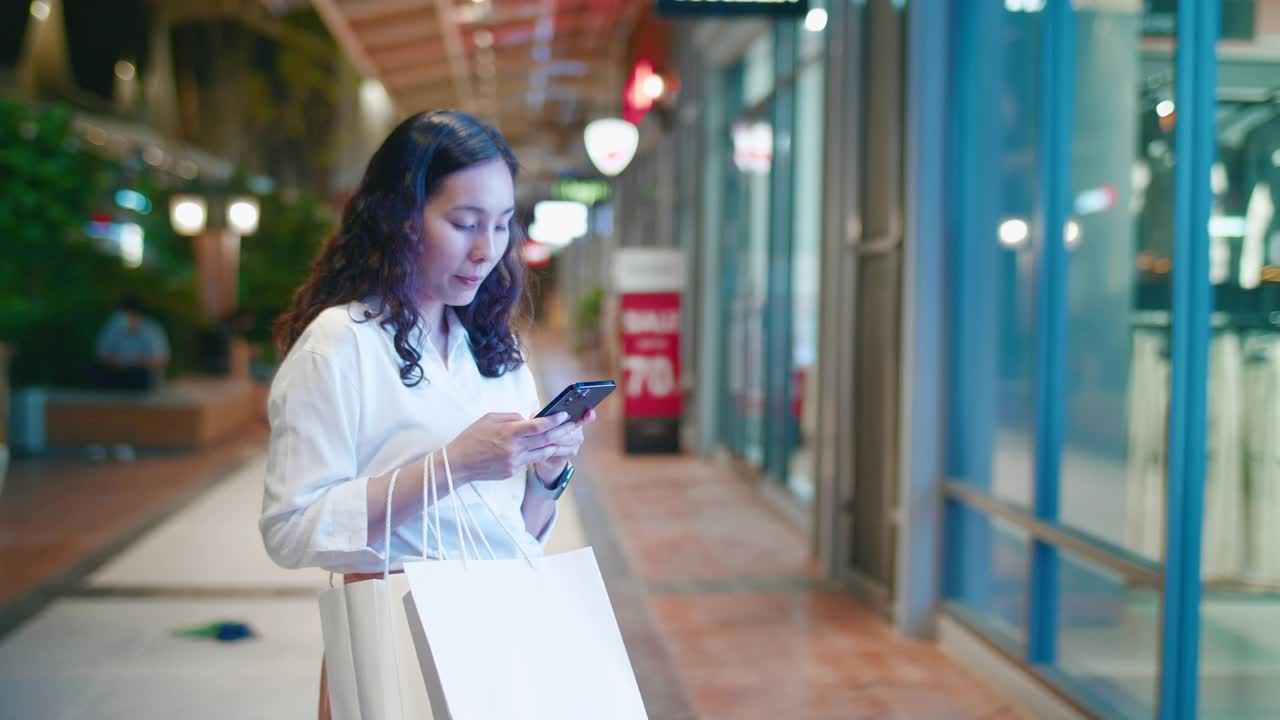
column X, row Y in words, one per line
column 558, row 223
column 711, row 8
column 587, row 192
column 753, row 147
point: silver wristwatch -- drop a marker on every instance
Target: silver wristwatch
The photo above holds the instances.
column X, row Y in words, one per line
column 557, row 487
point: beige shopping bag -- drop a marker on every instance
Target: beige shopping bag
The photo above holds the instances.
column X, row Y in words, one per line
column 370, row 659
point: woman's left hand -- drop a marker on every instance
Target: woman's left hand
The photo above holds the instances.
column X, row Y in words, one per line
column 567, row 439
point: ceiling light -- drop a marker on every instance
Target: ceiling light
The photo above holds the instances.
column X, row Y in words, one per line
column 1014, row 233
column 611, row 144
column 153, row 156
column 187, row 214
column 242, row 215
column 125, row 70
column 816, row 20
column 654, row 86
column 39, row 10
column 1071, row 234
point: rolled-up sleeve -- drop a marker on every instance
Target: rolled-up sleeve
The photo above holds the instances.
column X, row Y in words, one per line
column 314, row 510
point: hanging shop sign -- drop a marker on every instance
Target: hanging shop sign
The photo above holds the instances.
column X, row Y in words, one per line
column 649, row 282
column 717, row 8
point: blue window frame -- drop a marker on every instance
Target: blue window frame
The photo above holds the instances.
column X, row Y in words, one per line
column 1016, row 571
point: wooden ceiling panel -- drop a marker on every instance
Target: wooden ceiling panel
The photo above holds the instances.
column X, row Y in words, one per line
column 381, row 37
column 425, row 54
column 364, row 13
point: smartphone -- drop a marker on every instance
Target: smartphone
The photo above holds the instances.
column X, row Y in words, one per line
column 578, row 398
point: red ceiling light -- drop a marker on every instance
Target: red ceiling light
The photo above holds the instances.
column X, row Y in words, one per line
column 644, row 87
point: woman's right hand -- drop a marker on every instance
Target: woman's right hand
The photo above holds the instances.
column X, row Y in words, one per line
column 500, row 445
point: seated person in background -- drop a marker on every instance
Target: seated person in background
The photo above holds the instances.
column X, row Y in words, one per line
column 132, row 351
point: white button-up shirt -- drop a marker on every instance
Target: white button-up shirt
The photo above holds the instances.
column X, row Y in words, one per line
column 340, row 414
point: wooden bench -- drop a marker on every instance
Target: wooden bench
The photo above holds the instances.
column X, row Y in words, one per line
column 188, row 413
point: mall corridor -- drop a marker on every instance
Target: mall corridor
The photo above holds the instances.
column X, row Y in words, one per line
column 945, row 333
column 722, row 612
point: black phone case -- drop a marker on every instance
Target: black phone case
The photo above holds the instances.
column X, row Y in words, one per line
column 578, row 398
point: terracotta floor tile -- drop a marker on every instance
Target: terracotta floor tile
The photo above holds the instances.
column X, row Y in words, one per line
column 732, row 588
column 57, row 512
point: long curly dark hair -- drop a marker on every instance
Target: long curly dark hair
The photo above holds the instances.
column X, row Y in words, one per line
column 377, row 250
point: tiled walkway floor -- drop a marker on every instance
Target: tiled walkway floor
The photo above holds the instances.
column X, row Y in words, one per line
column 62, row 514
column 733, row 593
column 713, row 589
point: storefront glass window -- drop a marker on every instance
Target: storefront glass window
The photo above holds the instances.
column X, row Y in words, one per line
column 995, row 284
column 1098, row 564
column 806, row 274
column 770, row 218
column 1239, row 664
column 1119, row 242
column 986, row 574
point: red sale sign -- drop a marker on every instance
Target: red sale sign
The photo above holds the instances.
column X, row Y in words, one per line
column 650, row 324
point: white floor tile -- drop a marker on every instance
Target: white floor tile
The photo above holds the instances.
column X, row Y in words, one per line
column 213, row 543
column 122, row 658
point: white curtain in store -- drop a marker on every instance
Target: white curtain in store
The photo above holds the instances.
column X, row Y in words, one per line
column 1224, row 498
column 1262, row 454
column 1148, row 437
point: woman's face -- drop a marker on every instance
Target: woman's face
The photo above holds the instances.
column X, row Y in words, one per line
column 466, row 227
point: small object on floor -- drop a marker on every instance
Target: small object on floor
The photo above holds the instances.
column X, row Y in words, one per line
column 220, row 631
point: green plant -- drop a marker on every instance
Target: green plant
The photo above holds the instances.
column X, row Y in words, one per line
column 57, row 285
column 276, row 260
column 587, row 320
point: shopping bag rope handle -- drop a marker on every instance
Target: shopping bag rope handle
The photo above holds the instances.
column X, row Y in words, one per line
column 448, row 473
column 386, row 572
column 386, row 548
column 430, row 479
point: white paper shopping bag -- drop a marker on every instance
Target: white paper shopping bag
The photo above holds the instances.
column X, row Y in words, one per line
column 510, row 639
column 371, row 663
column 534, row 639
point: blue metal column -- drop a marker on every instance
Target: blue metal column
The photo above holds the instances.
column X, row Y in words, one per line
column 924, row 318
column 1057, row 111
column 1195, row 144
column 973, row 205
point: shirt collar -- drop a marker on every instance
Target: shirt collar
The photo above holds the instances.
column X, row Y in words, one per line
column 458, row 337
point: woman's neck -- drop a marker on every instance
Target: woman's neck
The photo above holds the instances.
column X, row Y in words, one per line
column 436, row 323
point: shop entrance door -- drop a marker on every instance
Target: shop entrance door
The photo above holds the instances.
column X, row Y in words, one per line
column 858, row 463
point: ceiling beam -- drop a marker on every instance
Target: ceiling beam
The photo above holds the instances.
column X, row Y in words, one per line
column 417, row 54
column 462, row 86
column 405, row 79
column 335, row 19
column 363, row 11
column 393, row 34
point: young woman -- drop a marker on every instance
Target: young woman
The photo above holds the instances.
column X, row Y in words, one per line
column 399, row 344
